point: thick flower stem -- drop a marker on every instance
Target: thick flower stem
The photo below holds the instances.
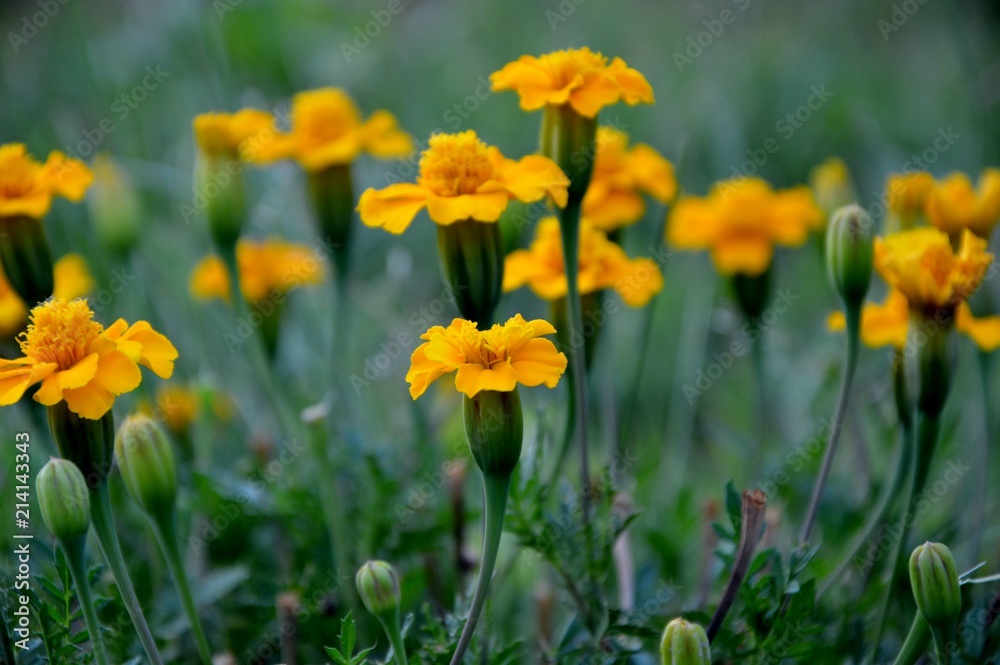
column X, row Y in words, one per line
column 916, row 642
column 107, row 537
column 495, row 489
column 853, row 316
column 166, row 534
column 395, row 636
column 76, row 558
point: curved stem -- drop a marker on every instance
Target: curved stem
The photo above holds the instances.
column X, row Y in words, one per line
column 166, row 534
column 916, row 642
column 395, row 636
column 75, row 557
column 104, row 527
column 495, row 490
column 853, row 315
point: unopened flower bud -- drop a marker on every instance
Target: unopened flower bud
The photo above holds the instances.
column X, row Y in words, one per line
column 472, row 258
column 684, row 643
column 146, row 462
column 494, row 427
column 63, row 499
column 934, row 579
column 849, row 253
column 378, row 587
column 331, row 193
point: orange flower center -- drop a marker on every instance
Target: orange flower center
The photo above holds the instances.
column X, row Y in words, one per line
column 455, row 164
column 563, row 66
column 60, row 332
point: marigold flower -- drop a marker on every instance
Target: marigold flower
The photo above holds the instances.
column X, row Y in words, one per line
column 495, row 359
column 908, row 192
column 327, row 130
column 954, row 205
column 603, row 265
column 580, row 78
column 266, row 267
column 177, row 406
column 931, row 274
column 225, row 134
column 27, row 186
column 72, row 280
column 613, row 198
column 462, row 178
column 79, row 361
column 740, row 221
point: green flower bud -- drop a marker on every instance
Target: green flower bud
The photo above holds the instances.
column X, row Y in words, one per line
column 849, row 253
column 472, row 258
column 84, row 442
column 378, row 587
column 684, row 643
column 26, row 258
column 63, row 499
column 934, row 579
column 146, row 462
column 568, row 140
column 494, row 427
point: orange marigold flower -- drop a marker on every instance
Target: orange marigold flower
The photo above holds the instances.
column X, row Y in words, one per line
column 225, row 134
column 579, row 77
column 79, row 361
column 494, row 359
column 266, row 267
column 922, row 264
column 740, row 221
column 603, row 265
column 27, row 186
column 462, row 178
column 954, row 205
column 327, row 130
column 908, row 192
column 614, row 196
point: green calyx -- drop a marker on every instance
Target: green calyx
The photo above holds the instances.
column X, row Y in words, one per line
column 26, row 258
column 64, row 500
column 494, row 427
column 850, row 253
column 146, row 462
column 472, row 258
column 684, row 643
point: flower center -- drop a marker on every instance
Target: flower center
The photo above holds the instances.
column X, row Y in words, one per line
column 60, row 332
column 455, row 164
column 564, row 66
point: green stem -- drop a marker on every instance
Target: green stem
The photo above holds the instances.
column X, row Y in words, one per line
column 853, row 316
column 495, row 490
column 942, row 643
column 916, row 642
column 107, row 537
column 392, row 631
column 166, row 534
column 76, row 558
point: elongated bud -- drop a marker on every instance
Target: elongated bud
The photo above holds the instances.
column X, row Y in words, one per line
column 378, row 586
column 26, row 258
column 494, row 427
column 219, row 191
column 331, row 193
column 684, row 643
column 63, row 499
column 849, row 253
column 472, row 258
column 934, row 578
column 146, row 462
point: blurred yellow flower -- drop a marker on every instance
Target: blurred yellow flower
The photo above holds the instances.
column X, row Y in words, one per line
column 224, row 134
column 327, row 130
column 831, row 184
column 908, row 193
column 580, row 78
column 266, row 267
column 77, row 360
column 931, row 275
column 494, row 359
column 953, row 204
column 603, row 265
column 887, row 323
column 740, row 221
column 614, row 196
column 177, row 406
column 462, row 178
column 72, row 280
column 27, row 186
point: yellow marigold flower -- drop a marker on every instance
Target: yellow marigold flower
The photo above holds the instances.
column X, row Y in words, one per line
column 224, row 134
column 908, row 192
column 953, row 204
column 579, row 77
column 494, row 359
column 27, row 186
column 740, row 221
column 462, row 178
column 922, row 264
column 831, row 184
column 327, row 130
column 77, row 360
column 266, row 267
column 613, row 198
column 72, row 280
column 887, row 323
column 603, row 265
column 177, row 406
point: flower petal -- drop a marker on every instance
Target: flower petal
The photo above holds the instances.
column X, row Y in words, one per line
column 533, row 177
column 483, row 206
column 472, row 379
column 392, row 208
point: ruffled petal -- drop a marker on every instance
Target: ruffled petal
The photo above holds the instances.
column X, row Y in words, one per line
column 537, row 362
column 156, row 351
column 381, row 136
column 472, row 379
column 91, row 402
column 392, row 208
column 483, row 206
column 747, row 254
column 18, row 375
column 984, row 331
column 533, row 177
